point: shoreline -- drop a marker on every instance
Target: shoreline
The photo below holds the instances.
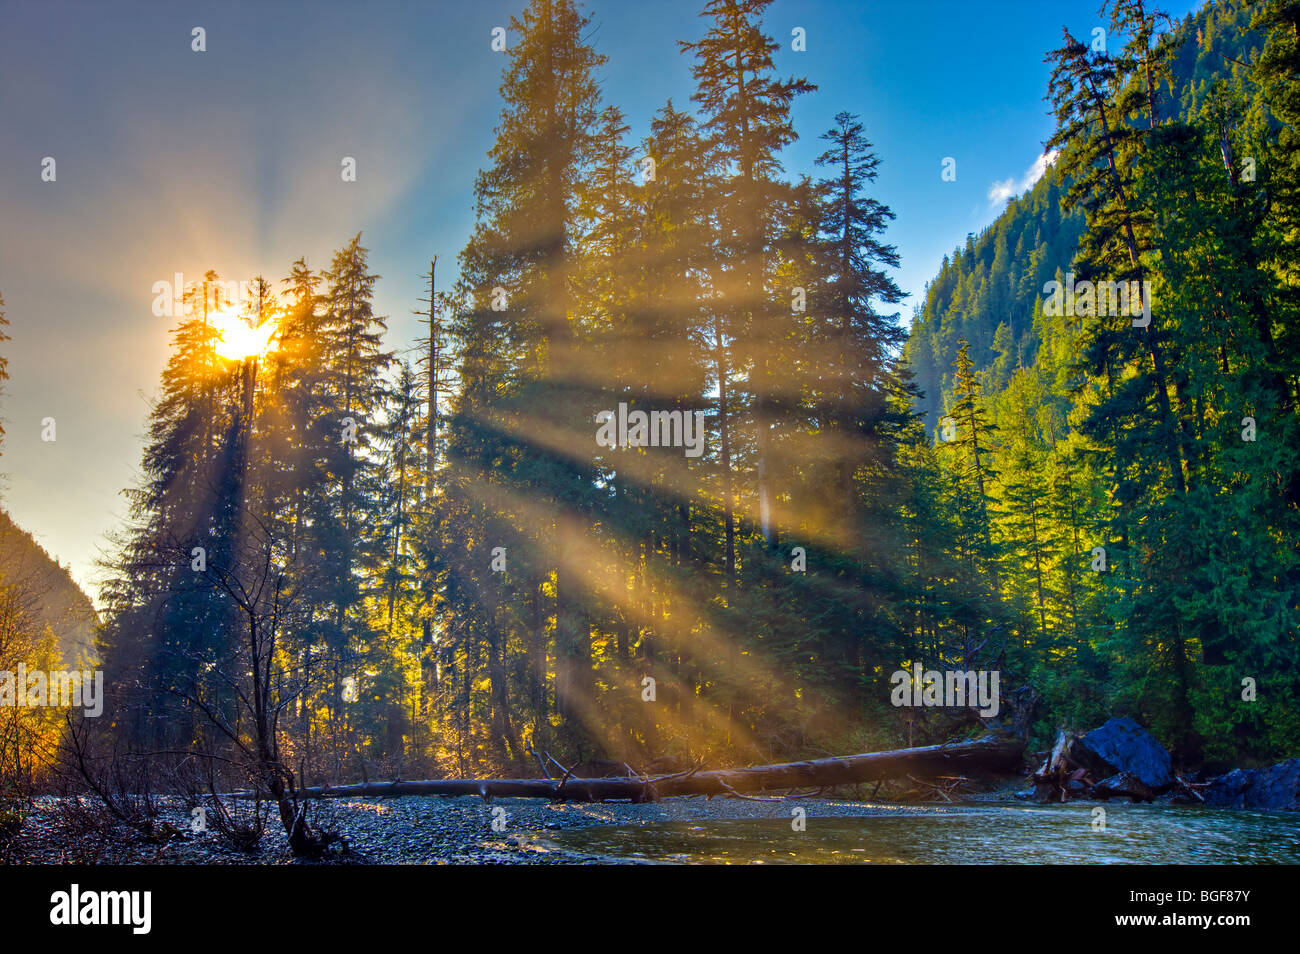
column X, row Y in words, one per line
column 413, row 829
column 439, row 829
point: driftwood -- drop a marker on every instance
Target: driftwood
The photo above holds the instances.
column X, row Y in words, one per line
column 1192, row 789
column 1052, row 781
column 990, row 754
column 945, row 788
column 1117, row 760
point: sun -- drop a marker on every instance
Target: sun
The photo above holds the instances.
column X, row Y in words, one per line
column 236, row 338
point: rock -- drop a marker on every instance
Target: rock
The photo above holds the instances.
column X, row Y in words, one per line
column 1122, row 747
column 1123, row 784
column 1276, row 788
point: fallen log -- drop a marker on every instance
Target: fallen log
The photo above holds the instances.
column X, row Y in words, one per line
column 990, row 754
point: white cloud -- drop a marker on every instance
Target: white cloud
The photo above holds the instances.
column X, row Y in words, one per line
column 1005, row 189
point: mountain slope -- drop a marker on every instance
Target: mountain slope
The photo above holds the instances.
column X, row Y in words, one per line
column 986, row 291
column 52, row 597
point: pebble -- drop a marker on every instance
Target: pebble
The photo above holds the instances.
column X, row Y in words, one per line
column 407, row 830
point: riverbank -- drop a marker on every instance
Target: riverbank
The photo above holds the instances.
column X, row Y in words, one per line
column 459, row 830
column 408, row 830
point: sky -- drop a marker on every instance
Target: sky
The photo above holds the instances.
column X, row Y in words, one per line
column 170, row 160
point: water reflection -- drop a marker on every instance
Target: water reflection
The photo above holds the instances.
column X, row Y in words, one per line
column 985, row 834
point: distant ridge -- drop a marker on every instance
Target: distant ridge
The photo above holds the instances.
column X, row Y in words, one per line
column 53, row 596
column 987, row 290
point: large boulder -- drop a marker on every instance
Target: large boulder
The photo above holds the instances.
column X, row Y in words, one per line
column 1122, row 747
column 1276, row 788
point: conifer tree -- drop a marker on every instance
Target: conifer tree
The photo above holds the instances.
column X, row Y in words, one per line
column 862, row 342
column 747, row 124
column 524, row 260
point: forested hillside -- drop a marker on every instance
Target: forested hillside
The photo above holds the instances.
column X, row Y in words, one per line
column 54, row 599
column 987, row 291
column 38, row 598
column 1139, row 473
column 47, row 624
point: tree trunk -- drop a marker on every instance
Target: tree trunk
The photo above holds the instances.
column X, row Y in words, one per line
column 988, row 755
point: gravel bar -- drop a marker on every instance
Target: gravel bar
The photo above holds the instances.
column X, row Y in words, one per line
column 406, row 830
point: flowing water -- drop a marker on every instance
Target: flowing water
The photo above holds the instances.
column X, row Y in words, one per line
column 973, row 834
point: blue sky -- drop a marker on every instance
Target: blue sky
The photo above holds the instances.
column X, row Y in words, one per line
column 172, row 161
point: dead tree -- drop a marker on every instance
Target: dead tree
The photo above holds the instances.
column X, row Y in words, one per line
column 258, row 587
column 992, row 754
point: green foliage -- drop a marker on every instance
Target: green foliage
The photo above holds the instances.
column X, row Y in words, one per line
column 1062, row 496
column 1129, row 438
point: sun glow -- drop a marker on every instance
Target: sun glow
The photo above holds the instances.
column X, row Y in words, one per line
column 236, row 338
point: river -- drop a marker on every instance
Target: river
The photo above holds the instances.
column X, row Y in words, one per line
column 984, row 833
